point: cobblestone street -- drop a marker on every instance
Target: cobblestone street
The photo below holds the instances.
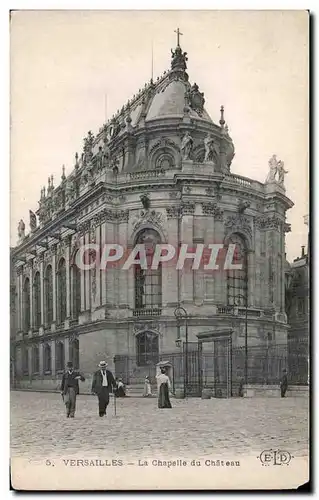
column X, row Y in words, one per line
column 196, row 427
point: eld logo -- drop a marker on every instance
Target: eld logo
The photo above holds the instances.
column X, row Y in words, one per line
column 275, row 457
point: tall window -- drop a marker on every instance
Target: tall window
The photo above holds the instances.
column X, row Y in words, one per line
column 48, row 295
column 237, row 279
column 147, row 348
column 47, row 359
column 59, row 355
column 61, row 291
column 35, row 359
column 74, row 350
column 148, row 282
column 26, row 305
column 76, row 291
column 37, row 300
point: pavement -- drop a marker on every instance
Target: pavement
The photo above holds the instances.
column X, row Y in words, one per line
column 193, row 427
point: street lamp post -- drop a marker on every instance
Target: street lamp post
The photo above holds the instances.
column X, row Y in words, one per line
column 179, row 313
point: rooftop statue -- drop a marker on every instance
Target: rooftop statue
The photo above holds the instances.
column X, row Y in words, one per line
column 187, row 146
column 21, row 230
column 209, row 147
column 276, row 167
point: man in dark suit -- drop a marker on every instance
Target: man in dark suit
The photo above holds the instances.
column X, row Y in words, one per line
column 102, row 384
column 283, row 383
column 70, row 388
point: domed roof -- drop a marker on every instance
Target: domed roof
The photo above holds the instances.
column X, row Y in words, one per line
column 170, row 100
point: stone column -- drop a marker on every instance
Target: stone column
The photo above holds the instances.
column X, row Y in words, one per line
column 186, row 273
column 54, row 283
column 67, row 349
column 109, row 278
column 98, row 297
column 210, row 275
column 40, row 358
column 83, row 301
column 282, row 274
column 19, row 301
column 258, row 263
column 42, row 290
column 220, row 275
column 251, row 273
column 104, row 272
column 31, row 296
column 87, row 279
column 170, row 282
column 53, row 357
column 271, row 271
column 67, row 277
column 94, row 273
column 198, row 274
column 122, row 275
column 30, row 363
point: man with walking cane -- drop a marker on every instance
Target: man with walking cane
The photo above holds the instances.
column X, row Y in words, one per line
column 102, row 384
column 70, row 388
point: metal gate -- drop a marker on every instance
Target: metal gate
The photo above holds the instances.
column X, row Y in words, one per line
column 192, row 358
column 217, row 366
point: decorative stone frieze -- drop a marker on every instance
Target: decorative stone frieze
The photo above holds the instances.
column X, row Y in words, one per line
column 212, row 209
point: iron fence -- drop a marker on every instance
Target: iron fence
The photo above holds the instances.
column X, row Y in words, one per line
column 222, row 369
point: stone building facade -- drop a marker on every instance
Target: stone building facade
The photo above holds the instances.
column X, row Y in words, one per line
column 158, row 171
column 297, row 309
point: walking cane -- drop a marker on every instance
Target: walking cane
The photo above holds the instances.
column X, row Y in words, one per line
column 114, row 403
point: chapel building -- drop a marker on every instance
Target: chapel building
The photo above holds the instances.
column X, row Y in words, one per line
column 159, row 171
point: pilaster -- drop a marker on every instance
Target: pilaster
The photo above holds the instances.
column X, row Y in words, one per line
column 42, row 290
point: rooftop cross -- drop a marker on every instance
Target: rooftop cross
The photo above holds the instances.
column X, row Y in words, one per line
column 178, row 35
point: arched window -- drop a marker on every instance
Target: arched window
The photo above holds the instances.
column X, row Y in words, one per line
column 148, row 282
column 37, row 300
column 61, row 292
column 76, row 291
column 147, row 348
column 59, row 355
column 26, row 305
column 74, row 350
column 48, row 295
column 47, row 358
column 35, row 359
column 237, row 279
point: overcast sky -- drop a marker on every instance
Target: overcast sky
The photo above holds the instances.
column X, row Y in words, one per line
column 63, row 63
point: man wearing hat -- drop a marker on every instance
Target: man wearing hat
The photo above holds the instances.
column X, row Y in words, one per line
column 102, row 384
column 70, row 388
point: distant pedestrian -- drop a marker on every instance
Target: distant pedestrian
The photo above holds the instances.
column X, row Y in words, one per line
column 283, row 383
column 102, row 384
column 120, row 388
column 147, row 388
column 70, row 388
column 163, row 387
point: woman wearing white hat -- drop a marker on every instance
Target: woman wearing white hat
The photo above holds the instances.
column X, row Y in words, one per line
column 102, row 384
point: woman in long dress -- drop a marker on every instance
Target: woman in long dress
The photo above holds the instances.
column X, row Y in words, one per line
column 163, row 387
column 120, row 389
column 147, row 388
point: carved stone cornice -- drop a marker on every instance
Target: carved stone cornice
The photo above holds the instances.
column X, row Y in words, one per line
column 212, row 209
column 239, row 222
column 148, row 217
column 83, row 227
column 146, row 325
column 287, row 227
column 173, row 212
column 19, row 270
column 188, row 208
column 265, row 222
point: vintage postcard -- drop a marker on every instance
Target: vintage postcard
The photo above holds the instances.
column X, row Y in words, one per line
column 159, row 250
